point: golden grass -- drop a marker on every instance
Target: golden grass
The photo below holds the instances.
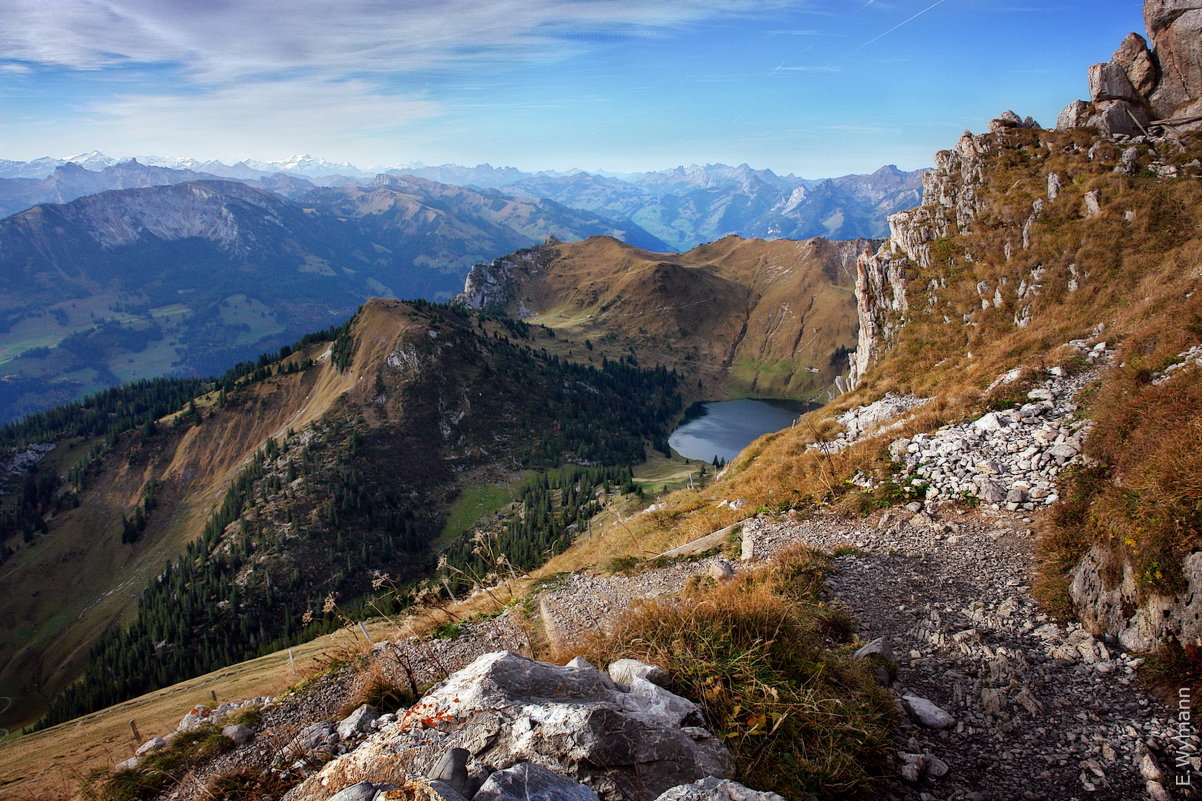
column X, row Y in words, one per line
column 40, row 765
column 754, row 653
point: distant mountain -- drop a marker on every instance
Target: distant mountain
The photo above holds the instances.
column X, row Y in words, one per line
column 691, row 205
column 687, row 206
column 743, row 316
column 683, row 206
column 188, row 278
column 70, row 181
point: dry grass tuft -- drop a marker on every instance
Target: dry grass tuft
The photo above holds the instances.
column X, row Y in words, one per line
column 1145, row 499
column 755, row 654
column 157, row 770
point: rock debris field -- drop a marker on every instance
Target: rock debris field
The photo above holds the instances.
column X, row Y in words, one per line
column 1038, row 710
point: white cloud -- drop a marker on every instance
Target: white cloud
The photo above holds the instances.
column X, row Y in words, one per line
column 215, row 41
column 262, row 120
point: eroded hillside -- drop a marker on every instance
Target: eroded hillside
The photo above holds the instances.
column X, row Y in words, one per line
column 746, row 317
column 298, row 479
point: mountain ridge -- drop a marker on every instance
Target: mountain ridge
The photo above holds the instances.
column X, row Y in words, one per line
column 188, row 278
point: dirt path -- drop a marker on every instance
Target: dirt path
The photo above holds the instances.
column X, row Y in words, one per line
column 1041, row 711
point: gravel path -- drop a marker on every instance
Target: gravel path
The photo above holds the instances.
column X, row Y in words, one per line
column 1040, row 711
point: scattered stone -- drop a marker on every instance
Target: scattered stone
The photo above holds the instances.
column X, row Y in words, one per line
column 912, row 765
column 196, row 717
column 721, row 571
column 936, row 767
column 153, row 744
column 993, row 701
column 715, row 789
column 358, row 722
column 625, row 671
column 239, row 733
column 878, row 648
column 1149, row 769
column 1157, row 792
column 926, row 713
column 315, row 741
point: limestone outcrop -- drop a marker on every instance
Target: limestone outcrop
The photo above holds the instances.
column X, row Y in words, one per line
column 493, row 286
column 1143, row 90
column 1139, row 621
column 950, row 204
column 627, row 742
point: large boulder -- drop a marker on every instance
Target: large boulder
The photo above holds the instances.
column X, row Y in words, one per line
column 628, row 743
column 1074, row 115
column 1135, row 59
column 1119, row 117
column 1175, row 28
column 1109, row 81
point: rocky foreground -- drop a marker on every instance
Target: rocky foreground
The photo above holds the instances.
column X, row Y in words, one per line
column 996, row 700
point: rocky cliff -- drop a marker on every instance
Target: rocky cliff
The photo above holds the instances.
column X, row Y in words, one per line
column 1144, row 90
column 1033, row 243
column 950, row 205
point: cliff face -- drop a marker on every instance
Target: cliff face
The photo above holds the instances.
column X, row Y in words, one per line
column 1144, row 90
column 950, row 205
column 1032, row 242
column 1175, row 27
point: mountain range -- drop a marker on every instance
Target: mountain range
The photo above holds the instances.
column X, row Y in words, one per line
column 123, row 270
column 188, row 278
column 683, row 206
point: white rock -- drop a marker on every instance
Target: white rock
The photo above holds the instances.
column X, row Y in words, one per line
column 625, row 671
column 927, row 713
column 153, row 744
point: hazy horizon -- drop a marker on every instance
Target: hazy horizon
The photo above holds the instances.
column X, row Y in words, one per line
column 808, row 87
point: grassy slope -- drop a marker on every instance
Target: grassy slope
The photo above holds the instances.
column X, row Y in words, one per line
column 746, row 317
column 44, row 633
column 50, row 762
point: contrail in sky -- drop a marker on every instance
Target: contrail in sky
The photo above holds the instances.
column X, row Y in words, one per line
column 904, row 22
column 861, row 8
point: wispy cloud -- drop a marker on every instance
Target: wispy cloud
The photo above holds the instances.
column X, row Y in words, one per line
column 896, row 27
column 807, row 68
column 276, row 118
column 214, row 42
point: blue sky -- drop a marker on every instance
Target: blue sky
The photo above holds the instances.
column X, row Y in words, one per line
column 814, row 87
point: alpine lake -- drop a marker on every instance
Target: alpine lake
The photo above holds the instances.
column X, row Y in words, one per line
column 723, row 428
